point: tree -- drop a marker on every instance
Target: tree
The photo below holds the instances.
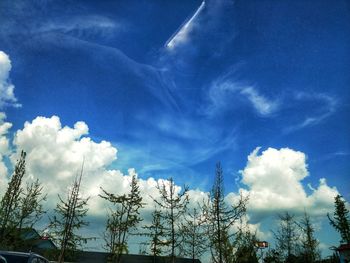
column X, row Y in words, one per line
column 173, row 203
column 19, row 208
column 340, row 220
column 245, row 244
column 220, row 219
column 68, row 219
column 287, row 237
column 309, row 244
column 11, row 200
column 123, row 218
column 195, row 241
column 155, row 231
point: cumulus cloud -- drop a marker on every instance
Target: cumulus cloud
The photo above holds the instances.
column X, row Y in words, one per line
column 274, row 181
column 7, row 97
column 55, row 154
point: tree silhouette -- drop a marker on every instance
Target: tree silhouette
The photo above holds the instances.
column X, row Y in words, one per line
column 340, row 220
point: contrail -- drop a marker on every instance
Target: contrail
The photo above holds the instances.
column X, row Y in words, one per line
column 181, row 34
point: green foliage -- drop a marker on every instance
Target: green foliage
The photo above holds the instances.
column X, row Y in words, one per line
column 122, row 219
column 340, row 220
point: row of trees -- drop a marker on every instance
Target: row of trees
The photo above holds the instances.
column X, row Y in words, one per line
column 212, row 227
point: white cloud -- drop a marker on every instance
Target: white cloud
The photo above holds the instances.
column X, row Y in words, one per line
column 4, row 149
column 274, row 180
column 7, row 97
column 55, row 153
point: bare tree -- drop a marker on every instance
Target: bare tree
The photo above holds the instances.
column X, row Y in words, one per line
column 123, row 218
column 173, row 204
column 68, row 219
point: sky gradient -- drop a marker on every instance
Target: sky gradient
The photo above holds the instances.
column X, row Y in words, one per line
column 169, row 88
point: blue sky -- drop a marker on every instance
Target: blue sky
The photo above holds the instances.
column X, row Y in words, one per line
column 176, row 86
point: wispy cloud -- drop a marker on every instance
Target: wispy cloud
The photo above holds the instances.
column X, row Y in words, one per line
column 327, row 108
column 221, row 95
column 81, row 26
column 262, row 104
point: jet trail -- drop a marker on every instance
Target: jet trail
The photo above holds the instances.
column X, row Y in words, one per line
column 181, row 34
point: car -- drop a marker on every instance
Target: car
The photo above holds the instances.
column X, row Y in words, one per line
column 21, row 257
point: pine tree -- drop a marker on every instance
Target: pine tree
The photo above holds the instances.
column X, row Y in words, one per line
column 173, row 204
column 68, row 220
column 341, row 221
column 123, row 218
column 220, row 219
